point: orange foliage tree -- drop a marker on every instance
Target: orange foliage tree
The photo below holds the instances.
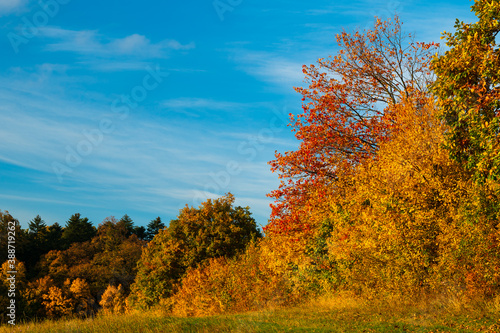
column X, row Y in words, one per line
column 344, row 110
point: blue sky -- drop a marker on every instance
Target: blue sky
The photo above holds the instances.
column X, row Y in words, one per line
column 140, row 107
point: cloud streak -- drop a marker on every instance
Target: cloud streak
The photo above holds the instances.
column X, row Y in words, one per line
column 91, row 42
column 271, row 67
column 107, row 54
column 9, row 6
column 202, row 103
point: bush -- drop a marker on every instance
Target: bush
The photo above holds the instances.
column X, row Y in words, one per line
column 244, row 283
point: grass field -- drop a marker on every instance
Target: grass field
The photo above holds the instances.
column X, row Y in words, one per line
column 332, row 315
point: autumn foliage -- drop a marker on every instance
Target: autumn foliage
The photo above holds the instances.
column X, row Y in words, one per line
column 215, row 229
column 345, row 113
column 380, row 197
column 468, row 92
column 230, row 285
column 393, row 192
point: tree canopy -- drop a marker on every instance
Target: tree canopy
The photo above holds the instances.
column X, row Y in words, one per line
column 345, row 110
column 214, row 229
column 468, row 91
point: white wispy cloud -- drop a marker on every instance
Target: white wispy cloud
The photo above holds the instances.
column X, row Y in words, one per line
column 43, row 200
column 92, row 42
column 9, row 6
column 99, row 52
column 269, row 67
column 202, row 103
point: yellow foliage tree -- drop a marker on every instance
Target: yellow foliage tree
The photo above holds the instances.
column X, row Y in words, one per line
column 216, row 229
column 113, row 300
column 73, row 298
column 387, row 228
column 34, row 295
column 57, row 303
column 81, row 297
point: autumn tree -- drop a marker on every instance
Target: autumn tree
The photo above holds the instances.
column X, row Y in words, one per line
column 343, row 113
column 110, row 257
column 467, row 88
column 57, row 303
column 249, row 281
column 117, row 254
column 388, row 223
column 83, row 302
column 10, row 289
column 113, row 300
column 34, row 294
column 215, row 229
column 111, row 233
column 74, row 262
column 72, row 298
column 468, row 91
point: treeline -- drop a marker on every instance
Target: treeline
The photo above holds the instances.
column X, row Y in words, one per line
column 81, row 270
column 64, row 270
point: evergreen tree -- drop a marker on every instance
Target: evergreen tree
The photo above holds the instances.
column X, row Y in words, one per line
column 36, row 243
column 37, row 225
column 154, row 228
column 40, row 243
column 77, row 230
column 54, row 236
column 140, row 232
column 128, row 224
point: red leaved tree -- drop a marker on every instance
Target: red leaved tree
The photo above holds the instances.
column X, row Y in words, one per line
column 345, row 115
